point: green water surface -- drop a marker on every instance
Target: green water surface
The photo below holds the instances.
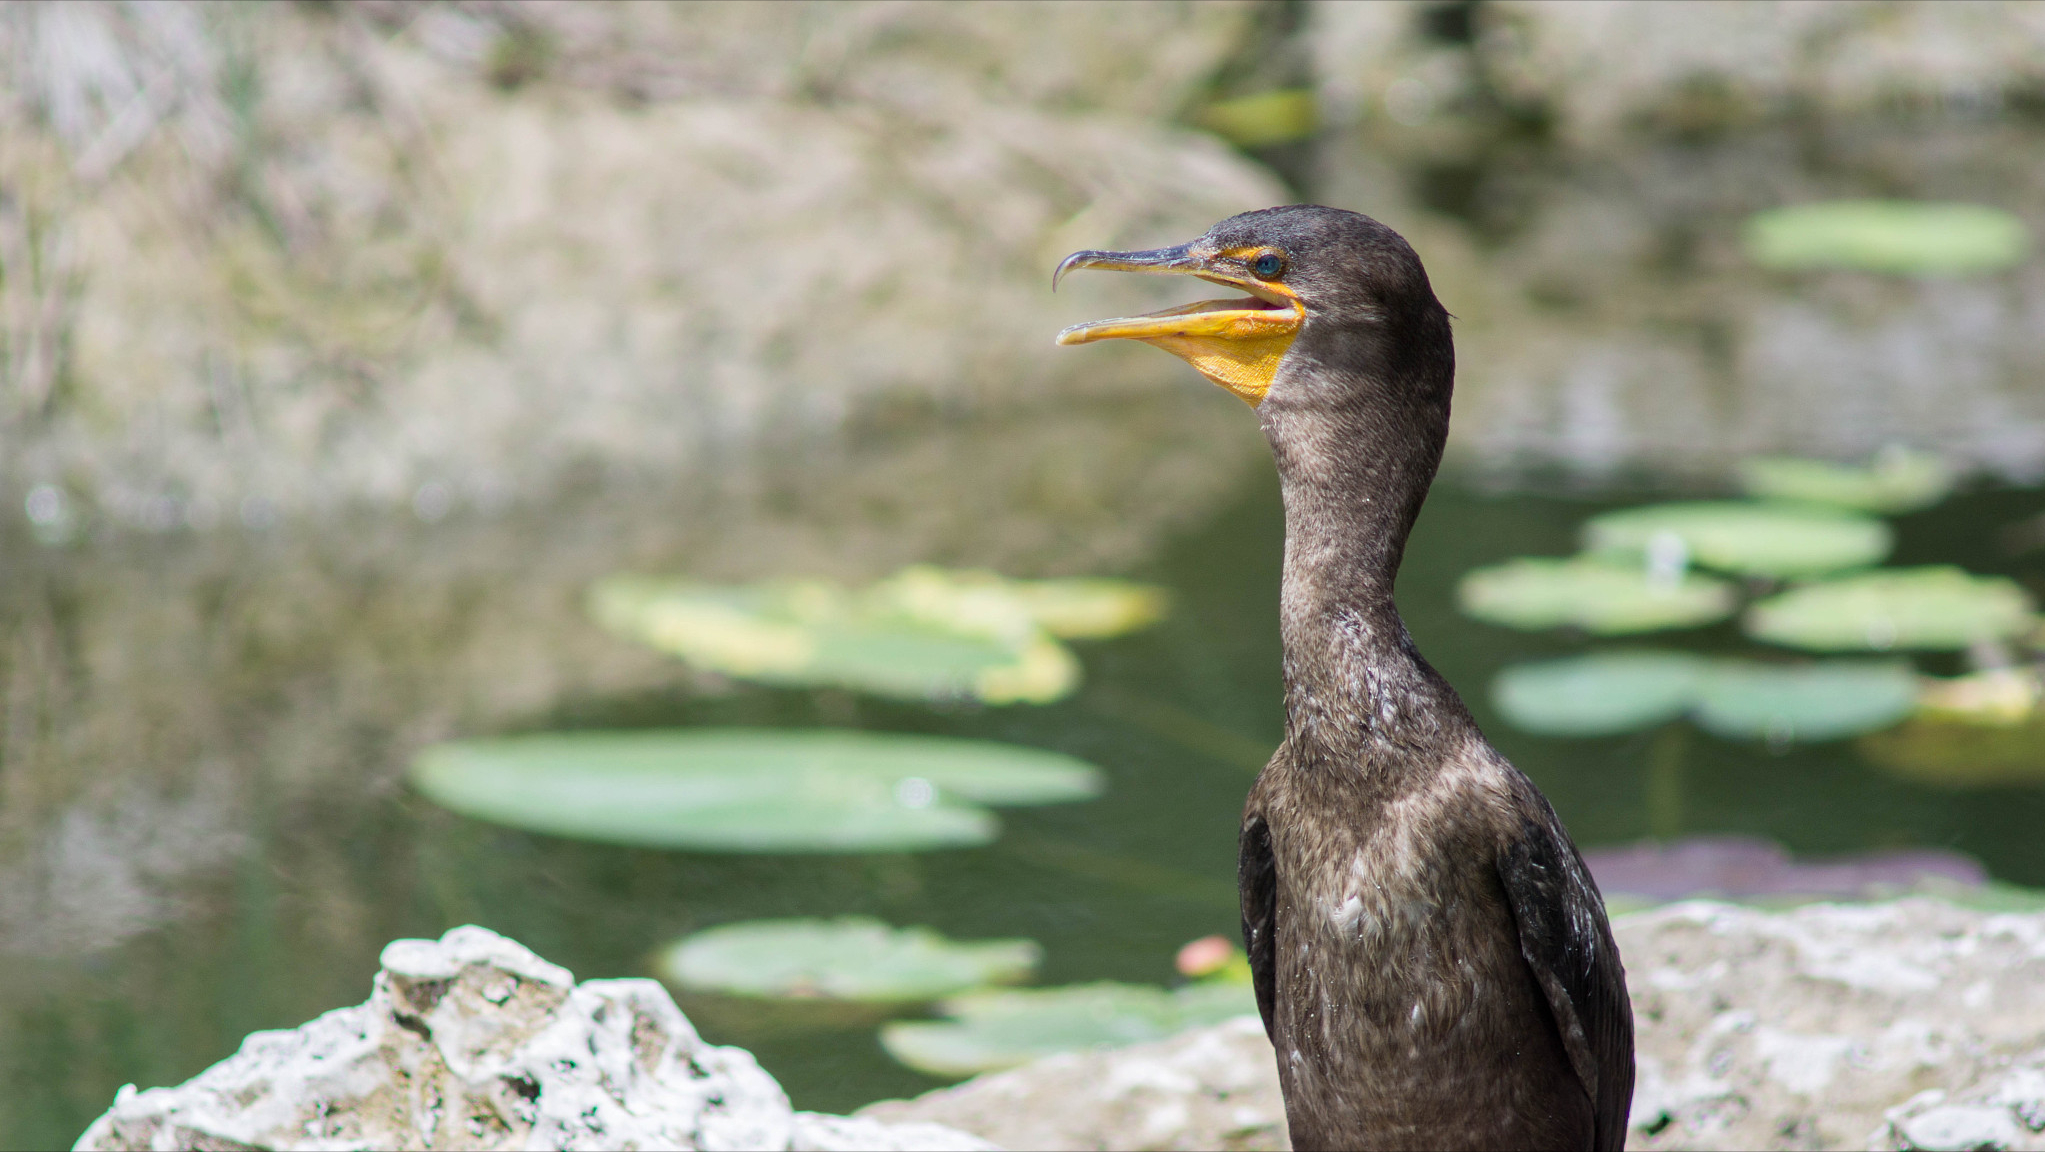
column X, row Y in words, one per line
column 313, row 876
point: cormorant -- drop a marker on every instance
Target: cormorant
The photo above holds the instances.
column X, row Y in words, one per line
column 1430, row 955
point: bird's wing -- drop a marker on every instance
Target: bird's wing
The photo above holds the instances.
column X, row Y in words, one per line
column 1257, row 878
column 1566, row 941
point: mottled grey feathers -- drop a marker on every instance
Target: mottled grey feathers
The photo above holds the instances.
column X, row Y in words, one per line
column 1567, row 942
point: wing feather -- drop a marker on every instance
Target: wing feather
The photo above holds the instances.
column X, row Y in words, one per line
column 1568, row 944
column 1257, row 879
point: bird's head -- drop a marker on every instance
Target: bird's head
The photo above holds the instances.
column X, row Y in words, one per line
column 1331, row 273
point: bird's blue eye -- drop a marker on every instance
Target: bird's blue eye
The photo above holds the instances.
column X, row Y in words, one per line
column 1268, row 264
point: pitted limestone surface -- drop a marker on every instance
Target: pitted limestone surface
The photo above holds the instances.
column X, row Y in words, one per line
column 473, row 1042
column 1914, row 1024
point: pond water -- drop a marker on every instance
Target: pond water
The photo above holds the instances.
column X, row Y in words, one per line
column 248, row 876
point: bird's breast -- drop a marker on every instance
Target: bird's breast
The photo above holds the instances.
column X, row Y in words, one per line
column 1391, row 921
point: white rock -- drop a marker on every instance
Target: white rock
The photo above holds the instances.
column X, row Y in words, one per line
column 1818, row 1027
column 2023, row 1091
column 1957, row 1126
column 1603, row 68
column 796, row 213
column 472, row 1041
column 816, row 1132
column 2001, row 1106
column 1212, row 1088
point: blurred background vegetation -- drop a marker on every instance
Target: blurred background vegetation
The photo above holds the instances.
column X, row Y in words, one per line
column 343, row 347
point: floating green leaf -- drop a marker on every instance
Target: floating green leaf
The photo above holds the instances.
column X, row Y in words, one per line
column 976, row 601
column 1779, row 541
column 1001, row 1029
column 1278, row 116
column 1598, row 694
column 1996, row 696
column 850, row 958
column 1603, row 693
column 1979, row 730
column 1604, row 598
column 924, row 633
column 1897, row 236
column 888, row 640
column 1896, row 481
column 1930, row 608
column 1091, row 609
column 1826, row 700
column 740, row 790
column 1954, row 753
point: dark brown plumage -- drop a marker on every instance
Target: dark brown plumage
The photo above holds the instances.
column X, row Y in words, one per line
column 1431, row 957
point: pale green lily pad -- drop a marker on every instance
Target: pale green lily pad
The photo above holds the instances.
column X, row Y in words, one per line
column 924, row 633
column 1605, row 693
column 1001, row 1029
column 975, row 600
column 1278, row 116
column 1604, row 598
column 1931, row 608
column 741, row 790
column 1993, row 696
column 1779, row 541
column 1947, row 752
column 1785, row 703
column 1598, row 694
column 1091, row 609
column 850, row 958
column 891, row 640
column 1896, row 481
column 1984, row 729
column 1896, row 236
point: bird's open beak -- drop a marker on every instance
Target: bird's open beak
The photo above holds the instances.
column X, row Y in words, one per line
column 1235, row 343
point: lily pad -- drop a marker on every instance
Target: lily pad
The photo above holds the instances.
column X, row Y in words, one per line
column 1896, row 481
column 850, row 958
column 1600, row 597
column 1091, row 609
column 1896, row 236
column 1277, row 116
column 1931, row 608
column 1995, row 696
column 1826, row 700
column 1598, row 694
column 1948, row 752
column 924, row 633
column 741, row 790
column 1779, row 541
column 1605, row 693
column 1001, row 1029
column 973, row 600
column 888, row 640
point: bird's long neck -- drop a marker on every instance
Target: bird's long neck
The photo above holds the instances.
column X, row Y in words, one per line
column 1356, row 453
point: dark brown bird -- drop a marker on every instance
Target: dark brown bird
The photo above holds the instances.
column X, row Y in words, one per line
column 1431, row 956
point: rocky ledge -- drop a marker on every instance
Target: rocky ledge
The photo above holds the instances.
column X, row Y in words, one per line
column 471, row 1041
column 1912, row 1024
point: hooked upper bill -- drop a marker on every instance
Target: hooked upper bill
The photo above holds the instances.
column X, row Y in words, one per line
column 1236, row 343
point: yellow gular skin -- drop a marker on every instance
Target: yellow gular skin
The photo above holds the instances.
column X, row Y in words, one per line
column 1237, row 348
